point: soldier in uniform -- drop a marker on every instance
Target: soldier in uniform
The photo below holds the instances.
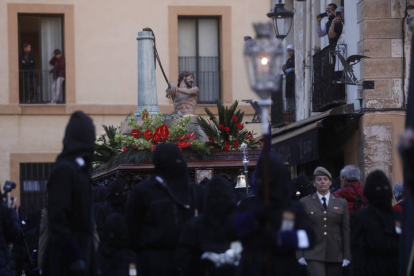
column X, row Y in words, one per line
column 329, row 218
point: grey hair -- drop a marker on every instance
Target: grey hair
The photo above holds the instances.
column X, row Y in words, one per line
column 398, row 190
column 351, row 173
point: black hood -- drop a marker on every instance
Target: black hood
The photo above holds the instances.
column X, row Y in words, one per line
column 278, row 180
column 115, row 235
column 169, row 163
column 378, row 190
column 221, row 198
column 116, row 195
column 302, row 185
column 79, row 140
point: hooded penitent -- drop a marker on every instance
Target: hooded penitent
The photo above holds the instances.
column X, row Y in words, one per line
column 79, row 140
column 378, row 190
column 115, row 234
column 116, row 195
column 278, row 180
column 171, row 166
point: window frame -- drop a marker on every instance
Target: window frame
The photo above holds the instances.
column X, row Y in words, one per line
column 223, row 13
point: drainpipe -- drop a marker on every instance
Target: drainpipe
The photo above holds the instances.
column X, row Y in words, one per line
column 307, row 59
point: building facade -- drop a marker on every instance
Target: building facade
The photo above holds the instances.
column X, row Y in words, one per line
column 98, row 42
column 339, row 124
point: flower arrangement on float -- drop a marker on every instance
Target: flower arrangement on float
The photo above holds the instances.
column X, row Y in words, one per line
column 227, row 131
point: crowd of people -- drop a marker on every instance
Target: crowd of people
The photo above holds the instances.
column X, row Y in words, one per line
column 168, row 225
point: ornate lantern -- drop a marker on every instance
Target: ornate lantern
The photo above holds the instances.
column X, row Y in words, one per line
column 282, row 20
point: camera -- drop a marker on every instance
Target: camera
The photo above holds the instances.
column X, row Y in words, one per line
column 8, row 187
column 338, row 14
column 324, row 14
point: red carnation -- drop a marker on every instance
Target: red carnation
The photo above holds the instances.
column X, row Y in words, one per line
column 221, row 126
column 234, row 118
column 153, row 147
column 191, row 136
column 227, row 129
column 135, row 147
column 226, row 147
column 136, row 133
column 235, row 144
column 125, row 149
column 148, row 134
column 145, row 115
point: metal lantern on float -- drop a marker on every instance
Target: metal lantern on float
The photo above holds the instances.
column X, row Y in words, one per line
column 282, row 20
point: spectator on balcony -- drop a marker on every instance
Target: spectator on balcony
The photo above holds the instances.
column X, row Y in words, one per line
column 331, row 28
column 289, row 70
column 28, row 77
column 58, row 71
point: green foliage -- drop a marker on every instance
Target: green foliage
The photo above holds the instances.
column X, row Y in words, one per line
column 227, row 131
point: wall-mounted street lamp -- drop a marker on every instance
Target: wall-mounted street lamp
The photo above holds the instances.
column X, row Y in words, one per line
column 282, row 20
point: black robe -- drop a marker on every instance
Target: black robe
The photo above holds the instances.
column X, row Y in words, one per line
column 70, row 203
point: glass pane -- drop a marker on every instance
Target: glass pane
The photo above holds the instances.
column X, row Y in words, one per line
column 186, row 37
column 208, row 37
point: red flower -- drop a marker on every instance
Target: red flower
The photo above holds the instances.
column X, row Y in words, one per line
column 239, row 126
column 162, row 132
column 260, row 144
column 226, row 147
column 191, row 136
column 182, row 138
column 234, row 118
column 211, row 139
column 136, row 133
column 125, row 149
column 227, row 129
column 189, row 144
column 182, row 144
column 221, row 126
column 226, row 142
column 156, row 138
column 135, row 147
column 153, row 147
column 148, row 134
column 145, row 115
column 235, row 144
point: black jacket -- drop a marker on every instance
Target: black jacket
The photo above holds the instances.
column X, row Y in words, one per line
column 69, row 202
column 9, row 232
column 29, row 62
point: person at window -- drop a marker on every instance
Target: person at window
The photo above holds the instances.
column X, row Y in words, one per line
column 329, row 218
column 27, row 75
column 375, row 230
column 58, row 71
column 289, row 70
column 323, row 31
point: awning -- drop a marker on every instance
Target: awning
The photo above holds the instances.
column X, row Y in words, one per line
column 299, row 146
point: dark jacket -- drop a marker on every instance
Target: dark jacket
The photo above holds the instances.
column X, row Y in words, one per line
column 337, row 28
column 69, row 208
column 374, row 240
column 59, row 67
column 158, row 208
column 209, row 232
column 268, row 232
column 9, row 232
column 348, row 192
column 29, row 62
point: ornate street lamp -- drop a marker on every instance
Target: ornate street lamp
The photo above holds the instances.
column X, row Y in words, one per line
column 282, row 20
column 264, row 59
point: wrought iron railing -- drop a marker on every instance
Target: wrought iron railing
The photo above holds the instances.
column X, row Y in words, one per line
column 326, row 91
column 41, row 87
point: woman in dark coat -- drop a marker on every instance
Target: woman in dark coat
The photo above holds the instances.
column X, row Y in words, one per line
column 69, row 247
column 272, row 232
column 374, row 236
column 208, row 232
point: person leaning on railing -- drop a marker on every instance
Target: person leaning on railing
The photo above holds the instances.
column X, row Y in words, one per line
column 58, row 61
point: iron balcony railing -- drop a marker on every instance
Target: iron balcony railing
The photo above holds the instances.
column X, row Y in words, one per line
column 42, row 87
column 327, row 92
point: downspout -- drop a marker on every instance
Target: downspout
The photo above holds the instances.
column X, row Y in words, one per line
column 307, row 59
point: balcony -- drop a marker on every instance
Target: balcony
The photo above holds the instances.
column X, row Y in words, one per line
column 327, row 93
column 41, row 87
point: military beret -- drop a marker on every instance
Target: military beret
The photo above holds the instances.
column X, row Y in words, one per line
column 322, row 171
